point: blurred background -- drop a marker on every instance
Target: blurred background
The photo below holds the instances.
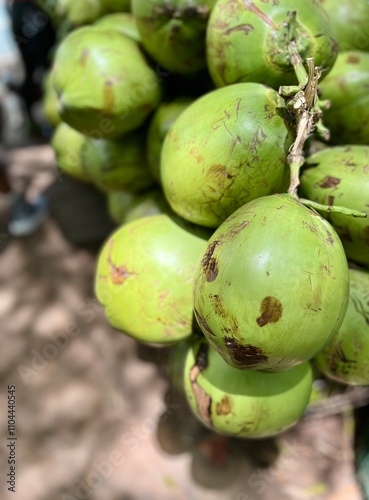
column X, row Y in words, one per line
column 96, row 417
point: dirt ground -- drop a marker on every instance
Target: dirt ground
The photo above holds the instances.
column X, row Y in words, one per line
column 95, row 417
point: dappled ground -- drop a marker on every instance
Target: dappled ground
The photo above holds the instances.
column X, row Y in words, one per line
column 95, row 417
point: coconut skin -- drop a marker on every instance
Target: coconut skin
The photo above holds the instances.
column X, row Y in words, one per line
column 350, row 20
column 345, row 359
column 160, row 123
column 340, row 176
column 226, row 149
column 173, row 32
column 346, row 87
column 69, row 147
column 144, row 278
column 118, row 164
column 273, row 285
column 243, row 404
column 105, row 87
column 126, row 206
column 248, row 41
column 123, row 22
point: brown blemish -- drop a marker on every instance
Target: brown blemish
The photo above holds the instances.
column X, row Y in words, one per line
column 218, row 170
column 244, row 356
column 118, row 274
column 246, row 28
column 330, row 240
column 224, row 407
column 353, row 59
column 329, row 182
column 218, row 306
column 203, row 399
column 203, row 324
column 270, row 311
column 237, row 228
column 109, row 98
column 251, row 7
column 84, row 56
column 209, row 263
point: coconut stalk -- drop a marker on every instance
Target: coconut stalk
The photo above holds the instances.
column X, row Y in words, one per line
column 303, row 101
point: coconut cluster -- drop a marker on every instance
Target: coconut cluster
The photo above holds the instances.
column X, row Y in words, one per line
column 173, row 108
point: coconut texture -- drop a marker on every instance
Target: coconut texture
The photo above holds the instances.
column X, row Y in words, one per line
column 118, row 164
column 104, row 85
column 163, row 119
column 350, row 22
column 249, row 404
column 69, row 147
column 346, row 358
column 225, row 149
column 173, row 32
column 340, row 176
column 125, row 206
column 144, row 278
column 123, row 22
column 248, row 41
column 273, row 285
column 346, row 87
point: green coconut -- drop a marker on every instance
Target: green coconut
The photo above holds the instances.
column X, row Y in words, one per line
column 162, row 120
column 250, row 404
column 123, row 22
column 346, row 87
column 249, row 41
column 104, row 85
column 69, row 147
column 144, row 278
column 273, row 285
column 350, row 22
column 126, row 206
column 226, row 149
column 173, row 32
column 119, row 164
column 346, row 358
column 340, row 176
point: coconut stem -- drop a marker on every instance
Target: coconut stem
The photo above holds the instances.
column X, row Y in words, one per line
column 303, row 101
column 332, row 208
column 304, row 104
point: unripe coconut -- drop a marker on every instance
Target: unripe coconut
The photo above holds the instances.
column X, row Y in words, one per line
column 69, row 147
column 126, row 206
column 350, row 23
column 346, row 87
column 346, row 358
column 162, row 120
column 340, row 176
column 144, row 278
column 119, row 164
column 173, row 31
column 50, row 101
column 248, row 41
column 227, row 148
column 250, row 404
column 104, row 85
column 123, row 22
column 273, row 285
